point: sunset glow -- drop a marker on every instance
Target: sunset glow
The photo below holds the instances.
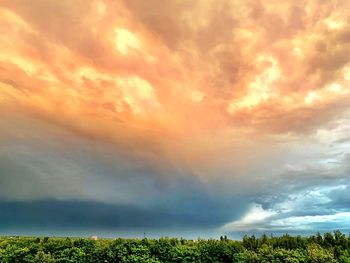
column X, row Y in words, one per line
column 177, row 107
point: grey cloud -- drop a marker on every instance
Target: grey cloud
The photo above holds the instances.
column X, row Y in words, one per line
column 343, row 140
column 80, row 214
column 49, row 177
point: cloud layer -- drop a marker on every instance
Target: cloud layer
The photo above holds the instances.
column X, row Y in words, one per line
column 240, row 109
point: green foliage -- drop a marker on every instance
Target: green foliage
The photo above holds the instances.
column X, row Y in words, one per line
column 42, row 257
column 327, row 248
column 317, row 254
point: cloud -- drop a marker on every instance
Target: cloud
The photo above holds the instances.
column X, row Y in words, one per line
column 127, row 102
column 227, row 55
column 81, row 215
column 304, row 200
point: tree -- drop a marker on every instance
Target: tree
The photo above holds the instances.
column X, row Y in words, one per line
column 317, row 254
column 42, row 257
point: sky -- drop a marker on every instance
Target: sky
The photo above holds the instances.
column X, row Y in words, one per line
column 174, row 118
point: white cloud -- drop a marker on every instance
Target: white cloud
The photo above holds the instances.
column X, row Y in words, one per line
column 307, row 210
column 254, row 216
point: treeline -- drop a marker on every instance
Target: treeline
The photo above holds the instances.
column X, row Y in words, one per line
column 330, row 247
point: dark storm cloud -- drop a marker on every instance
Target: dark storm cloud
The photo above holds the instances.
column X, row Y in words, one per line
column 87, row 184
column 80, row 214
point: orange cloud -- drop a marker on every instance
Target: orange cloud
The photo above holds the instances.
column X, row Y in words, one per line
column 151, row 76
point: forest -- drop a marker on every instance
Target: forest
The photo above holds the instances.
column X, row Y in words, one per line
column 329, row 247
